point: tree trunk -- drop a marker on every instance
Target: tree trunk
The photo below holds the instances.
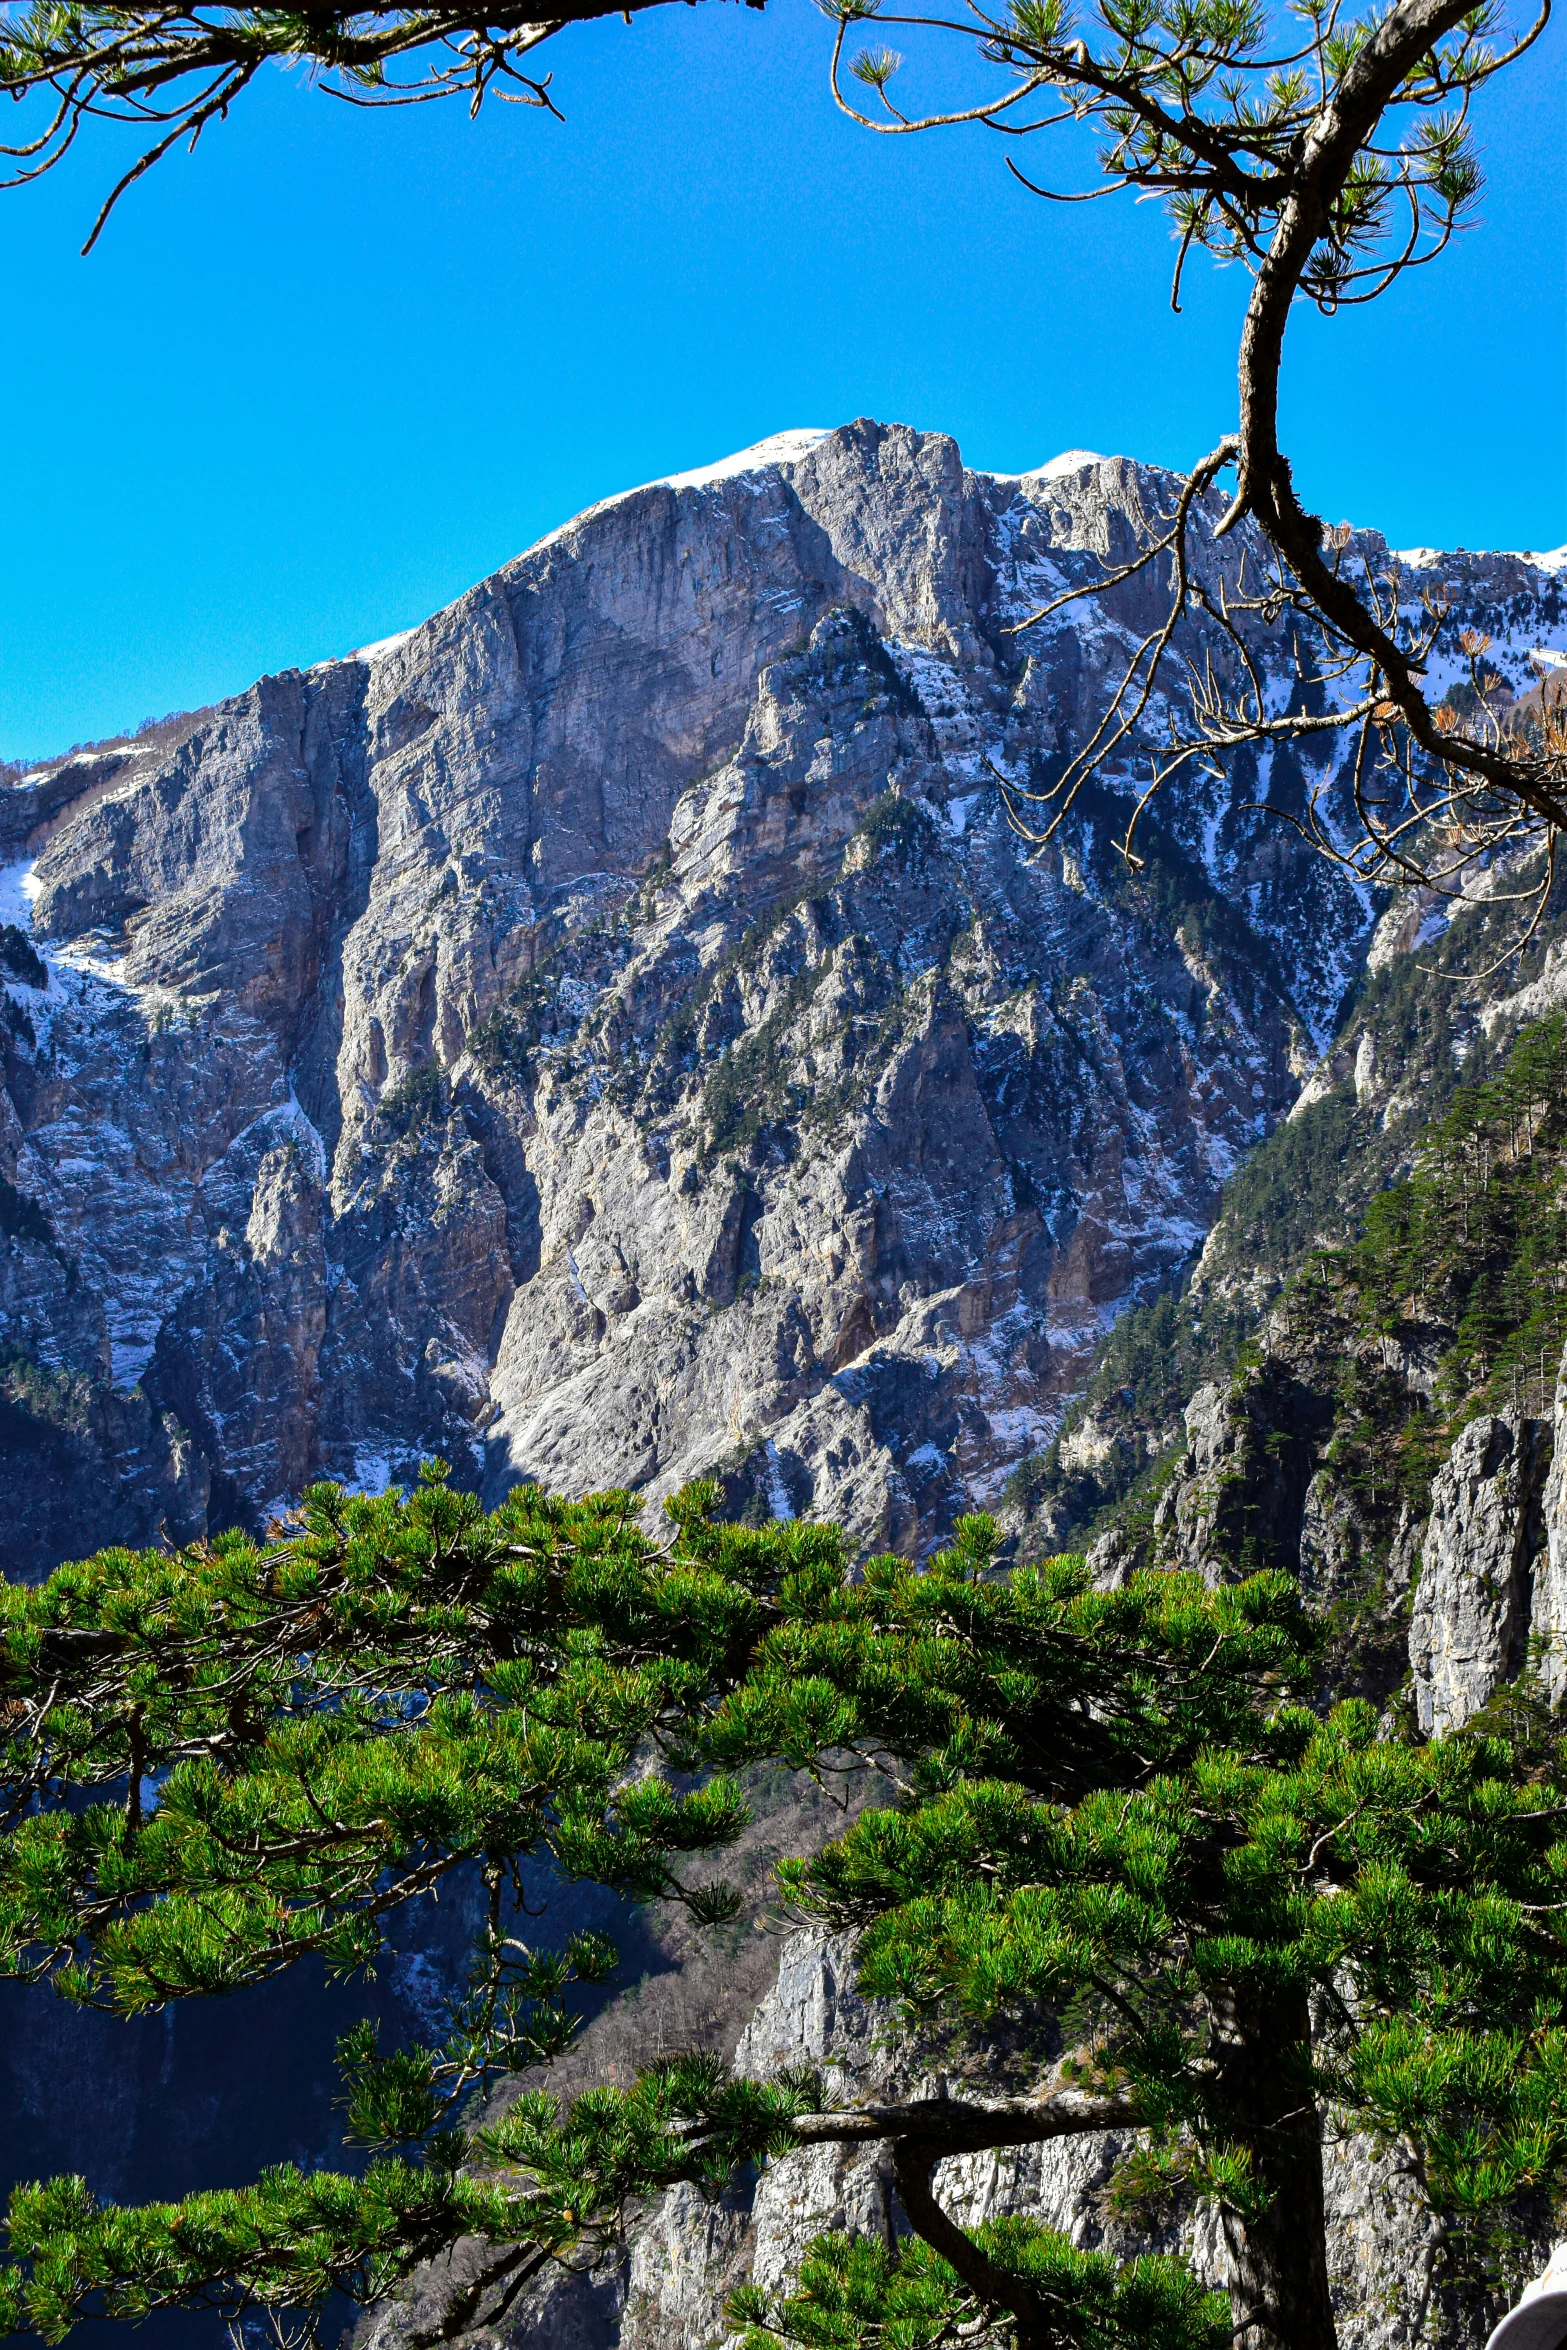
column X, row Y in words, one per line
column 913, row 2160
column 1279, row 2297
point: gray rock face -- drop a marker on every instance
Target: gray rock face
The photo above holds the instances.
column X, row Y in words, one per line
column 1239, row 1497
column 613, row 1034
column 1271, row 1476
column 689, row 2259
column 1549, row 1612
column 1383, row 2244
column 1470, row 1620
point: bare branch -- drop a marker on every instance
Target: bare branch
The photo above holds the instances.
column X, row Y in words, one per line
column 955, row 2125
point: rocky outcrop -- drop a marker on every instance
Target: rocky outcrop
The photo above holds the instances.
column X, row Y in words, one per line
column 1295, row 1462
column 1238, row 1498
column 613, row 1034
column 1549, row 1612
column 1469, row 1627
column 1388, row 2288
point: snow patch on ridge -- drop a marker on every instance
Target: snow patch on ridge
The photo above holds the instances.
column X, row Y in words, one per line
column 382, row 646
column 1069, row 461
column 779, row 448
column 1424, row 558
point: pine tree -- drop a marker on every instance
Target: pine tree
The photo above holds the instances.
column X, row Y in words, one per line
column 1123, row 1824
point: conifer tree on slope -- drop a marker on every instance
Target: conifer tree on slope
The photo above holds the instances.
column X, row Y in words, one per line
column 1114, row 1825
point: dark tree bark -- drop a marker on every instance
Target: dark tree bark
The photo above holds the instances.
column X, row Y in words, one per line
column 1263, row 2100
column 1279, row 2293
column 913, row 2160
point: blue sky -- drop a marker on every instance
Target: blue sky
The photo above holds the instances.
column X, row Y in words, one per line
column 323, row 376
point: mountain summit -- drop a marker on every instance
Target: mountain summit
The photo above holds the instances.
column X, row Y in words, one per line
column 611, row 1033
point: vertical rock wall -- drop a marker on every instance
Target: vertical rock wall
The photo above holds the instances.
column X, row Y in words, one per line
column 612, row 1034
column 677, row 1063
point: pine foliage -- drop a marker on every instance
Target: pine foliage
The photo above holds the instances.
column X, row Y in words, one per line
column 855, row 2290
column 1113, row 1820
column 1476, row 1240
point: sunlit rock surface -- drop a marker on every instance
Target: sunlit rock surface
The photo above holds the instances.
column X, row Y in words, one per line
column 612, row 1033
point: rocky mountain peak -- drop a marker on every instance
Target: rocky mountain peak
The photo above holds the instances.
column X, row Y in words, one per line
column 611, row 1032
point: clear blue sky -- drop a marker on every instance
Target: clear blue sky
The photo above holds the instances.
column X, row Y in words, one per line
column 319, row 379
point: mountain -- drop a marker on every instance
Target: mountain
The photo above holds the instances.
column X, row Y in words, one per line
column 1364, row 1382
column 612, row 1034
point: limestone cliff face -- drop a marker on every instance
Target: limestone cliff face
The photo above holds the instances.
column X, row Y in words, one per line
column 669, row 2289
column 612, row 1034
column 1470, row 1622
